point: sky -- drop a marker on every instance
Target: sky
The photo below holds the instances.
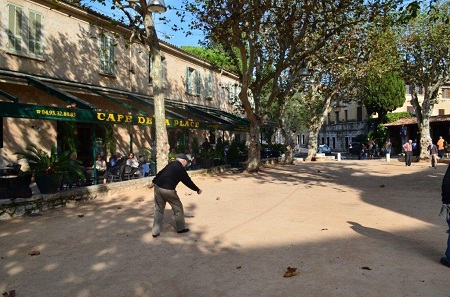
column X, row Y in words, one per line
column 163, row 30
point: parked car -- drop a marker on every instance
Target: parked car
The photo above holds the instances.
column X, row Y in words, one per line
column 355, row 148
column 325, row 149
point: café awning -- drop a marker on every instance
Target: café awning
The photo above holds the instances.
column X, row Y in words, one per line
column 178, row 114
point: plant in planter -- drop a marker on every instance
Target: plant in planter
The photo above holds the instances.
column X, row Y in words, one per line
column 49, row 169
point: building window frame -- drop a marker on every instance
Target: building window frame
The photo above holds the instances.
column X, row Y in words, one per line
column 35, row 40
column 107, row 62
column 15, row 28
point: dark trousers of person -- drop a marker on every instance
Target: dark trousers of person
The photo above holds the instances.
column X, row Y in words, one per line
column 163, row 196
column 408, row 158
column 440, row 153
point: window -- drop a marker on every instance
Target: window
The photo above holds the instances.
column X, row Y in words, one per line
column 359, row 113
column 163, row 69
column 337, row 117
column 441, row 112
column 346, row 115
column 209, row 86
column 445, row 93
column 106, row 54
column 35, row 34
column 193, row 84
column 15, row 25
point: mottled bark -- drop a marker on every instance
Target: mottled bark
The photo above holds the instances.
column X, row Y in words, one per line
column 162, row 143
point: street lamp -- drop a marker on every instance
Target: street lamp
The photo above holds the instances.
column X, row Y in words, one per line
column 162, row 144
column 156, row 6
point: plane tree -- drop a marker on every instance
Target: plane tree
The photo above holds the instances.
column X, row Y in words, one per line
column 424, row 47
column 270, row 37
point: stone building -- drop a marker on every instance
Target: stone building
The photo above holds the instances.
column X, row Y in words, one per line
column 71, row 77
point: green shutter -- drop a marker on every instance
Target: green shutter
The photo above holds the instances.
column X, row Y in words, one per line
column 15, row 28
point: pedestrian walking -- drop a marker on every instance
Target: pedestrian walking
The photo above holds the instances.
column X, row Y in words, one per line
column 440, row 145
column 445, row 210
column 433, row 154
column 407, row 147
column 165, row 183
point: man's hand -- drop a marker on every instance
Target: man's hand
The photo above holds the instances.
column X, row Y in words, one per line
column 199, row 192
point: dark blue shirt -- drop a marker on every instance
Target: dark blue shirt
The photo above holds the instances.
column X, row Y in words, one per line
column 171, row 175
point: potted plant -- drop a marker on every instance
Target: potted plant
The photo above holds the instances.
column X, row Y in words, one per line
column 49, row 169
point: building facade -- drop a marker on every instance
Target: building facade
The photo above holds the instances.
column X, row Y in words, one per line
column 347, row 121
column 72, row 78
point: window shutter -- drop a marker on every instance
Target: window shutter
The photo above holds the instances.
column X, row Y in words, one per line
column 15, row 28
column 35, row 34
column 198, row 83
column 209, row 86
column 188, row 80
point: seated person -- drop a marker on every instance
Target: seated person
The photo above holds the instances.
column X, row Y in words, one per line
column 113, row 165
column 100, row 165
column 75, row 162
column 134, row 163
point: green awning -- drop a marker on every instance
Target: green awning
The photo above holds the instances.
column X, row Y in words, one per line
column 9, row 97
column 60, row 94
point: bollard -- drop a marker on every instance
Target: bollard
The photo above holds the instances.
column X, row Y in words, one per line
column 339, row 156
column 388, row 157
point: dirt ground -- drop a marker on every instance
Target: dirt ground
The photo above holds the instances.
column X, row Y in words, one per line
column 350, row 228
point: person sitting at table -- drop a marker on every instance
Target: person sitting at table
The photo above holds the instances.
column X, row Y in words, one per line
column 100, row 165
column 134, row 163
column 115, row 161
column 76, row 163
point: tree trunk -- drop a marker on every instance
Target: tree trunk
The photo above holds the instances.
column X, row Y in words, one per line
column 423, row 113
column 162, row 143
column 313, row 141
column 254, row 148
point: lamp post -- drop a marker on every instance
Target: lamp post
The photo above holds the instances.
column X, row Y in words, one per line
column 162, row 144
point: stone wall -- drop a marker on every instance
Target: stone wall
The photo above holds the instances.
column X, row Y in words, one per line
column 10, row 208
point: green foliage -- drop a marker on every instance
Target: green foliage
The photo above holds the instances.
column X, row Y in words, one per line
column 68, row 130
column 379, row 135
column 215, row 56
column 195, row 146
column 233, row 152
column 109, row 138
column 42, row 163
column 383, row 93
column 393, row 117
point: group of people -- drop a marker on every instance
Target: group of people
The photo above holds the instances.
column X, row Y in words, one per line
column 436, row 150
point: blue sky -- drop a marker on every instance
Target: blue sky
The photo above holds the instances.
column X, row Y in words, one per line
column 176, row 38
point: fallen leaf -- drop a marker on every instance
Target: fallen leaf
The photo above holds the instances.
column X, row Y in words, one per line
column 81, row 215
column 187, row 194
column 34, row 253
column 366, row 268
column 324, row 229
column 218, row 198
column 382, row 186
column 291, row 271
column 239, row 267
column 319, row 171
column 11, row 293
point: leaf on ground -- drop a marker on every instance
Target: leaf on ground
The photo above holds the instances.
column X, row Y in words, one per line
column 319, row 171
column 382, row 186
column 218, row 198
column 324, row 229
column 34, row 253
column 187, row 194
column 11, row 293
column 239, row 267
column 291, row 271
column 81, row 215
column 366, row 268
